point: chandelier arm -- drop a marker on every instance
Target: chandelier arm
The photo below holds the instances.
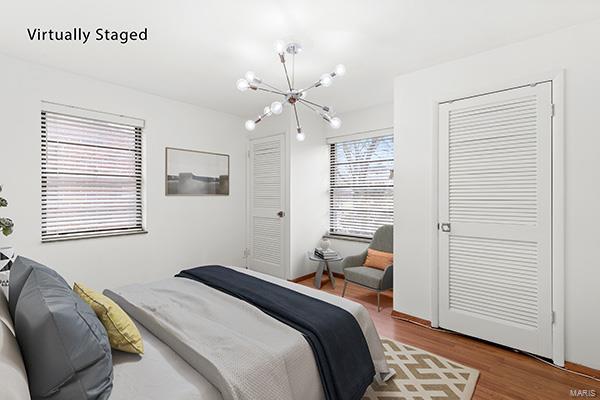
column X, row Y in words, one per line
column 309, row 106
column 294, row 69
column 297, row 119
column 324, row 108
column 271, row 91
column 271, row 86
column 310, row 87
column 287, row 76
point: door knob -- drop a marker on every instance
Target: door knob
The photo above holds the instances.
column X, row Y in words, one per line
column 445, row 227
column 281, row 214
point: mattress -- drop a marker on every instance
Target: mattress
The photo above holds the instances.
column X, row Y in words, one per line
column 157, row 375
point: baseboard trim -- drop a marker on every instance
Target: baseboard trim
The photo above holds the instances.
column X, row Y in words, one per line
column 303, row 277
column 408, row 317
column 312, row 275
column 582, row 369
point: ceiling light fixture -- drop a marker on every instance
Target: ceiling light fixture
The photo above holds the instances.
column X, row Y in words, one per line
column 291, row 95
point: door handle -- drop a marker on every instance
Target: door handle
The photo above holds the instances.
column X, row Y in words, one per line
column 445, row 227
column 281, row 214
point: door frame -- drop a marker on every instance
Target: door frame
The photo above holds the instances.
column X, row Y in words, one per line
column 286, row 201
column 558, row 199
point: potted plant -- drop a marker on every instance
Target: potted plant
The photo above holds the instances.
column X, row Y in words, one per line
column 7, row 254
column 6, row 224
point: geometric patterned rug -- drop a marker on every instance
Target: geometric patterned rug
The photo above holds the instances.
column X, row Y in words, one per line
column 421, row 375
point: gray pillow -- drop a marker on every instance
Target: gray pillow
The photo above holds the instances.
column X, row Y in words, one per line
column 18, row 275
column 65, row 347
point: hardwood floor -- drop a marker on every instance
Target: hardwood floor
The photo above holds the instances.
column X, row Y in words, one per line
column 505, row 374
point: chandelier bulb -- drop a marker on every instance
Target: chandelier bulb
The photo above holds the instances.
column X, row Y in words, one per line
column 300, row 136
column 242, row 85
column 326, row 80
column 280, row 46
column 250, row 125
column 340, row 70
column 335, row 122
column 251, row 77
column 276, row 107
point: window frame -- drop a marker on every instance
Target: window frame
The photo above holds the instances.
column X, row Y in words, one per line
column 331, row 233
column 109, row 121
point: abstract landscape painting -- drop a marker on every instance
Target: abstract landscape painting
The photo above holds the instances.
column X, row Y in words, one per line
column 196, row 173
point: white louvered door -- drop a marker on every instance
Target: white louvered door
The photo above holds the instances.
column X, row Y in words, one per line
column 495, row 188
column 267, row 200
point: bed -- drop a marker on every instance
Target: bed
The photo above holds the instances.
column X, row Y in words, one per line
column 202, row 343
column 159, row 374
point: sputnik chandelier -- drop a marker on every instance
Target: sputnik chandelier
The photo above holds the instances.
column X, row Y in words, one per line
column 291, row 95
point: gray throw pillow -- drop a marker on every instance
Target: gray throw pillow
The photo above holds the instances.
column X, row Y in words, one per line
column 65, row 347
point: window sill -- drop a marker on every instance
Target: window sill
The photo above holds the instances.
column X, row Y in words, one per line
column 96, row 236
column 348, row 238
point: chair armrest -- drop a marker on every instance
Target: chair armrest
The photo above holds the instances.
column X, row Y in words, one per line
column 354, row 261
column 387, row 282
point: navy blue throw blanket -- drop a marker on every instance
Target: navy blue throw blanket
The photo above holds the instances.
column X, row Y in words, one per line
column 336, row 339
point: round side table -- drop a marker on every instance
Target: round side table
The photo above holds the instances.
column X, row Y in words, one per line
column 323, row 264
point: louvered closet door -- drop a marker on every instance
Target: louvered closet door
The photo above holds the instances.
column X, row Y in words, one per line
column 495, row 193
column 267, row 169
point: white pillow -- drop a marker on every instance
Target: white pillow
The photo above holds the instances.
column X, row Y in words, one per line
column 12, row 370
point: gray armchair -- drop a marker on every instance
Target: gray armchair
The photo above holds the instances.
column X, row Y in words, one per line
column 371, row 278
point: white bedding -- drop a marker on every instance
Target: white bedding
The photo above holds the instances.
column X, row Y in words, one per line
column 243, row 352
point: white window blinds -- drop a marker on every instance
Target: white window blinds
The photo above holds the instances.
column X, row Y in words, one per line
column 91, row 177
column 361, row 195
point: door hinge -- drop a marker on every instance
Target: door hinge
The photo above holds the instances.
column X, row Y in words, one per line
column 246, row 253
column 248, row 153
column 553, row 317
column 552, row 110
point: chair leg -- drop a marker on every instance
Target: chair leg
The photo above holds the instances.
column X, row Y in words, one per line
column 344, row 290
column 378, row 301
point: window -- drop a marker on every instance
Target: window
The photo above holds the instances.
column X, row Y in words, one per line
column 91, row 177
column 361, row 194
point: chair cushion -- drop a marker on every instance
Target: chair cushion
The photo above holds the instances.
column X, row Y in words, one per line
column 65, row 348
column 379, row 259
column 383, row 239
column 365, row 276
column 122, row 332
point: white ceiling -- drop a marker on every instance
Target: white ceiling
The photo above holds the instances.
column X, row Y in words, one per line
column 197, row 49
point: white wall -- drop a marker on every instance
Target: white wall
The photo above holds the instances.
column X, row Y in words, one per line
column 182, row 231
column 575, row 50
column 309, row 201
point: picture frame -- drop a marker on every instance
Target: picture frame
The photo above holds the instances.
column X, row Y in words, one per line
column 196, row 173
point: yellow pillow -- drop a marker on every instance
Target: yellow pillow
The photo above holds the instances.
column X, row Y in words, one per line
column 122, row 332
column 378, row 259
